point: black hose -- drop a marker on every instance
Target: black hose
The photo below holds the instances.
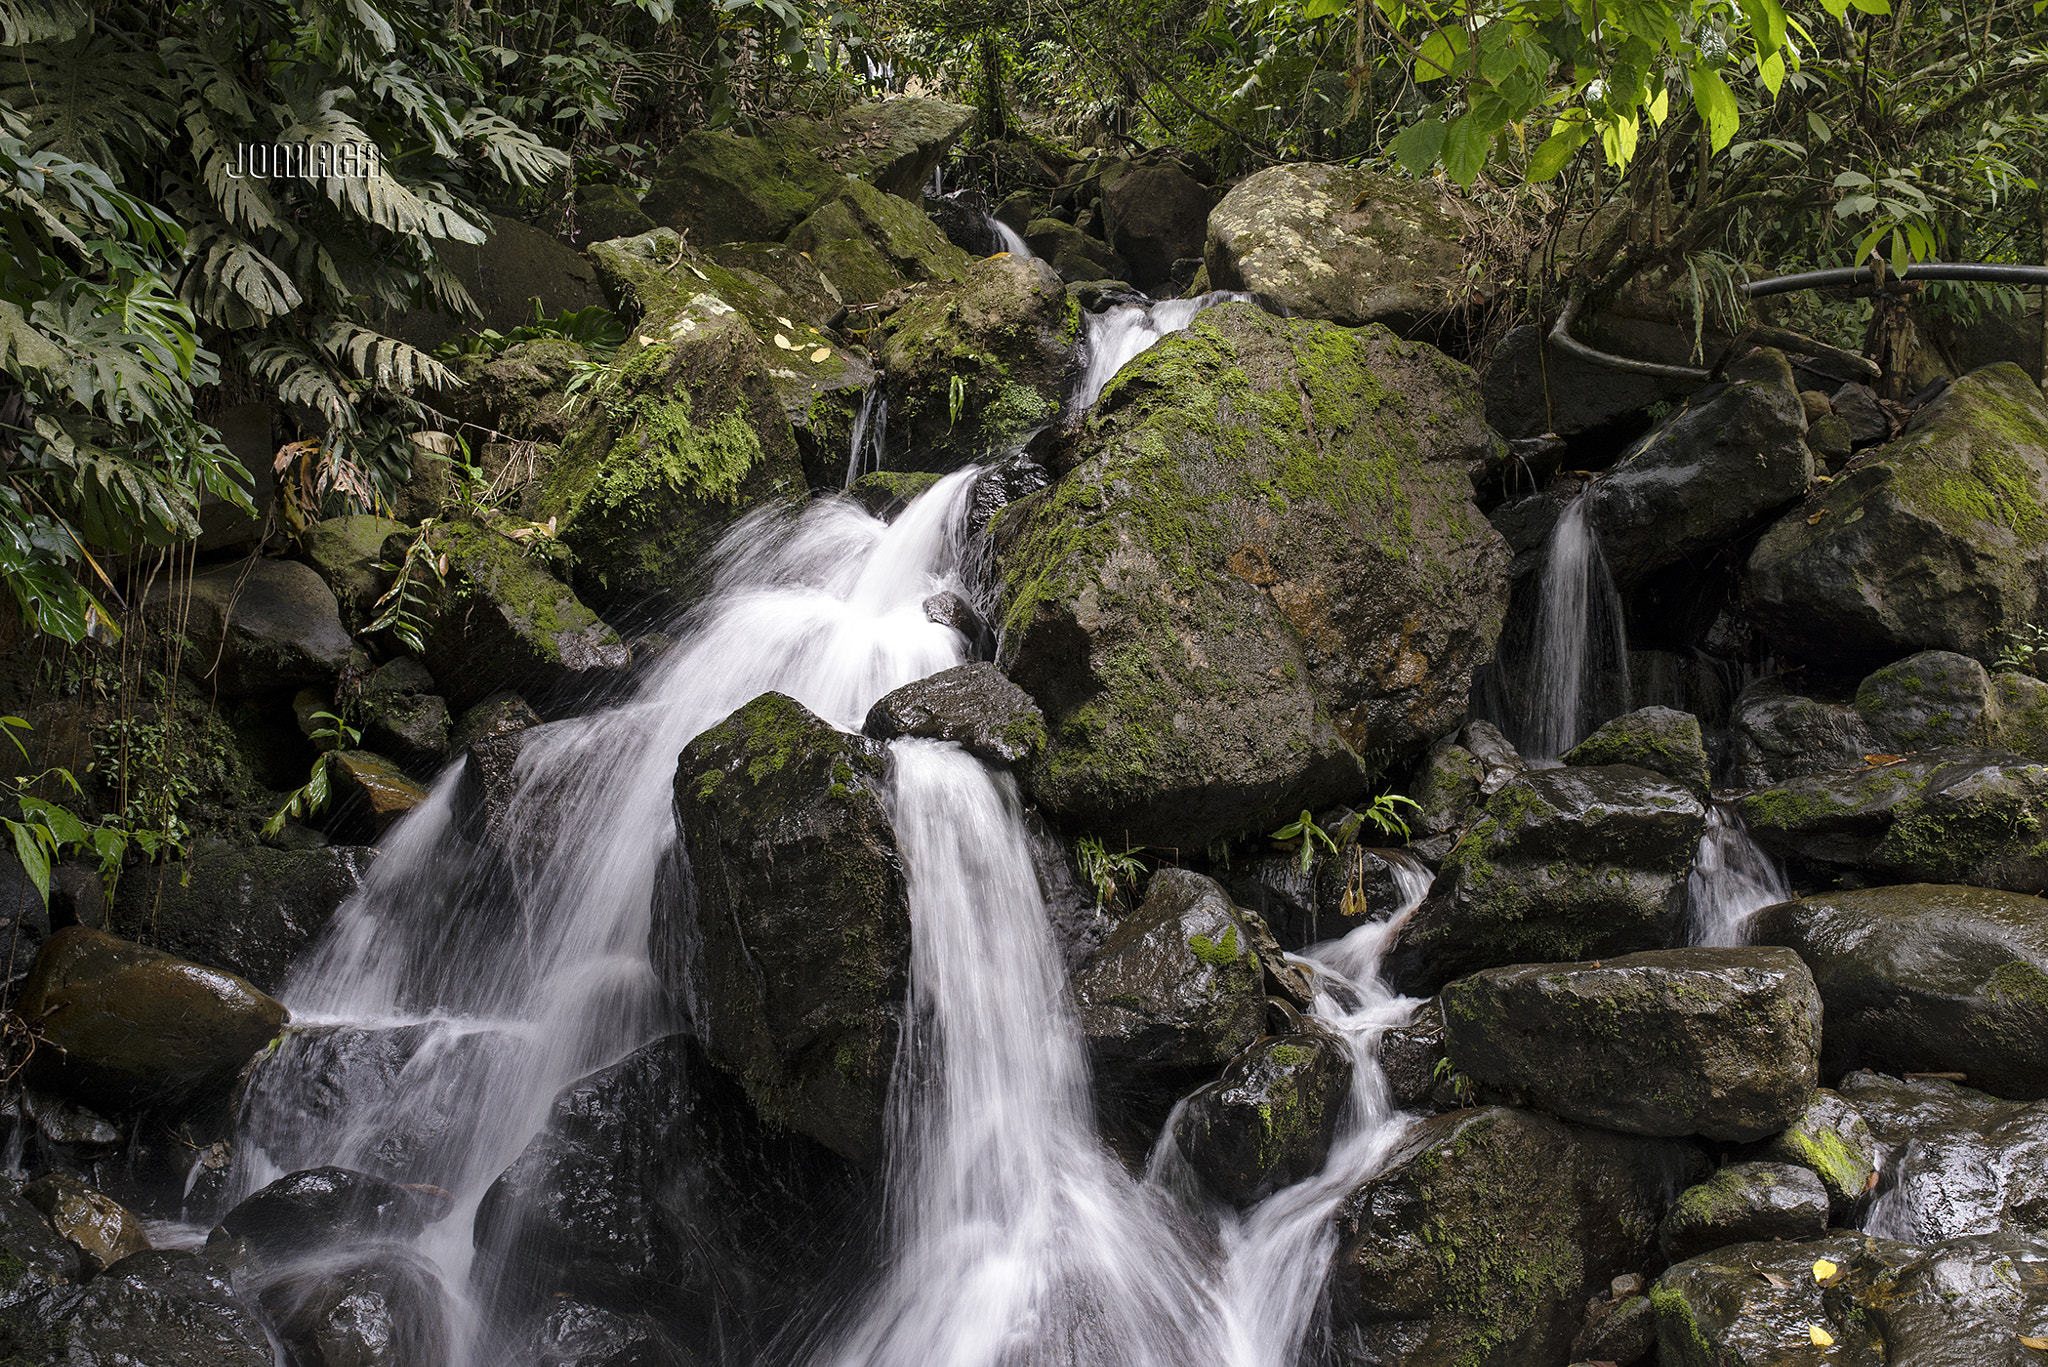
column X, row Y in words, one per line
column 1919, row 270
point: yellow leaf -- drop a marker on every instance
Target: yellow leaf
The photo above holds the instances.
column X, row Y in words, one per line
column 1823, row 1269
column 1815, row 519
column 784, row 321
column 2033, row 1342
column 699, row 274
column 1821, row 1337
column 782, row 341
column 823, row 353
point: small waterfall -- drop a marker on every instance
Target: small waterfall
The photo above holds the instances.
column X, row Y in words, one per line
column 1116, row 335
column 1732, row 879
column 1581, row 646
column 870, row 433
column 1007, row 236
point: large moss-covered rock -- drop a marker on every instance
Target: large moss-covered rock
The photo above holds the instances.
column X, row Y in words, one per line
column 1939, row 541
column 519, row 393
column 1723, row 1043
column 1954, row 1161
column 249, row 911
column 1171, row 996
column 1660, row 739
column 1831, row 1141
column 1939, row 698
column 125, row 1026
column 1073, row 255
column 972, row 705
column 1153, row 217
column 502, row 621
column 1487, row 1230
column 1713, row 472
column 1006, row 334
column 799, row 919
column 654, row 1186
column 1562, row 864
column 1742, row 1203
column 1342, row 243
column 1926, row 978
column 253, row 626
column 1775, row 735
column 1268, row 1121
column 346, row 553
column 1941, row 816
column 1263, row 581
column 868, row 243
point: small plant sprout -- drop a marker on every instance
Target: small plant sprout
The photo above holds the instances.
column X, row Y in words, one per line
column 1305, row 830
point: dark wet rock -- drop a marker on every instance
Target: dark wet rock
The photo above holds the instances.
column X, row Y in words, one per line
column 1005, row 333
column 1074, row 255
column 1268, row 1122
column 1660, row 739
column 1412, row 1057
column 1533, row 387
column 1446, row 790
column 104, row 1230
column 572, row 1334
column 370, row 794
column 254, row 626
column 1941, row 816
column 501, row 714
column 251, row 911
column 1937, row 542
column 1153, row 216
column 412, row 728
column 502, row 620
column 1926, row 978
column 604, row 212
column 1172, row 995
column 1495, row 1227
column 24, row 919
column 799, row 917
column 1952, row 1160
column 1830, row 1140
column 60, row 1121
column 135, row 1027
column 1777, row 735
column 33, row 1256
column 1339, row 892
column 517, row 394
column 1624, row 1334
column 157, row 1309
column 1723, row 1043
column 375, row 1308
column 869, row 244
column 655, row 1186
column 1744, row 1203
column 1222, row 638
column 346, row 552
column 1718, row 468
column 1856, row 406
column 1926, row 701
column 1499, row 762
column 306, row 1211
column 972, row 705
column 1344, row 244
column 949, row 609
column 1564, row 864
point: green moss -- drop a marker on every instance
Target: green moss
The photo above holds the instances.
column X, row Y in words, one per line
column 1217, row 953
column 1290, row 1055
column 1680, row 1341
column 1828, row 1156
column 2019, row 983
column 1968, row 462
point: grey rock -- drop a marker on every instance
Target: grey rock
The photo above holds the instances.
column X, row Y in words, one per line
column 1269, row 1120
column 254, row 626
column 1744, row 1203
column 1660, row 739
column 972, row 705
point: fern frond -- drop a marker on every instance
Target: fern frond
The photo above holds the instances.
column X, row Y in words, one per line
column 233, row 284
column 515, row 154
column 384, row 361
column 91, row 99
column 301, row 376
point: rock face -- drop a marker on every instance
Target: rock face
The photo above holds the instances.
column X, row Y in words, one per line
column 1661, row 739
column 1955, row 1162
column 1830, row 1140
column 1172, row 995
column 1268, row 1122
column 972, row 705
column 1937, row 542
column 1723, row 1043
column 1562, row 864
column 1714, row 471
column 1074, row 256
column 270, row 624
column 655, row 1187
column 1487, row 1230
column 868, row 243
column 1927, row 978
column 379, row 1308
column 1153, row 216
column 519, row 392
column 799, row 918
column 1265, row 568
column 163, row 1309
column 1744, row 1203
column 104, row 1230
column 304, row 1212
column 1343, row 244
column 1939, row 698
column 1006, row 333
column 136, row 1026
column 503, row 621
column 345, row 553
column 1778, row 735
column 249, row 911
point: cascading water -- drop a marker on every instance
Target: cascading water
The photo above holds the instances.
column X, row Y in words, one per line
column 1580, row 646
column 1012, row 242
column 1732, row 879
column 870, row 433
column 1116, row 335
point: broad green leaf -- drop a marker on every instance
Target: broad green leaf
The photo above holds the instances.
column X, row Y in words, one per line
column 1323, row 9
column 1838, row 9
column 1465, row 144
column 1618, row 139
column 1416, row 147
column 1771, row 71
column 33, row 854
column 1873, row 6
column 1441, row 54
column 1556, row 152
column 1717, row 107
column 1766, row 24
column 1846, row 179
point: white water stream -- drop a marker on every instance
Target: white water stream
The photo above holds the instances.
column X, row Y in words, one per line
column 1579, row 635
column 1732, row 879
column 1116, row 335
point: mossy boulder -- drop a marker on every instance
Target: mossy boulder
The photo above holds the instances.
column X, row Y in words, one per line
column 1954, row 1161
column 1830, row 1140
column 1269, row 1120
column 1938, row 541
column 1172, row 995
column 1776, row 735
column 1939, row 698
column 1953, row 815
column 1486, row 1232
column 1744, row 1203
column 767, row 267
column 403, row 717
column 972, row 705
column 970, row 373
column 1153, row 217
column 1559, row 865
column 1926, row 978
column 1723, row 1043
column 1660, row 739
column 868, row 244
column 1073, row 255
column 604, row 212
column 133, row 1026
column 254, row 626
column 1263, row 582
column 346, row 552
column 518, row 393
column 371, row 792
column 501, row 620
column 250, row 911
column 1341, row 243
column 799, row 918
column 1716, row 470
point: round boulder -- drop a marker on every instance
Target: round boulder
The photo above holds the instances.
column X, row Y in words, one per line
column 1743, row 1203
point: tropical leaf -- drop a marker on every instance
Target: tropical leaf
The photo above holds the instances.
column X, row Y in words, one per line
column 41, row 21
column 91, row 99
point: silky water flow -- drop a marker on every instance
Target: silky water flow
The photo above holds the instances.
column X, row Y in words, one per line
column 492, row 958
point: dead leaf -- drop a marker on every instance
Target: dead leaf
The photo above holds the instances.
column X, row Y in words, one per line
column 1870, row 1183
column 1824, row 1270
column 2032, row 1342
column 1776, row 1281
column 1821, row 1337
column 1815, row 519
column 699, row 274
column 823, row 353
column 782, row 341
column 1882, row 759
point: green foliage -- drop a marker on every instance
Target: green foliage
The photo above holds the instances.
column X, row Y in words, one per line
column 311, row 797
column 47, row 830
column 1385, row 814
column 595, row 328
column 1113, row 876
column 2025, row 647
column 1304, row 829
column 416, row 586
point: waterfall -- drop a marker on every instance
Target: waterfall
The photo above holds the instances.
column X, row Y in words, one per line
column 1007, row 236
column 870, row 433
column 1732, row 879
column 461, row 989
column 1116, row 335
column 1581, row 646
